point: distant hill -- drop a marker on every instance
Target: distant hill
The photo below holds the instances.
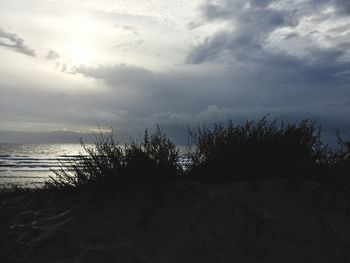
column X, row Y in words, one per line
column 44, row 137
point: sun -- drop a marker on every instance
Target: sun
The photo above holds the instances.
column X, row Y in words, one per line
column 80, row 55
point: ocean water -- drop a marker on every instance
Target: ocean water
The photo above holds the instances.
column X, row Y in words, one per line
column 30, row 165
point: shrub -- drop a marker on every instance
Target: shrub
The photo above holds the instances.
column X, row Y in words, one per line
column 256, row 150
column 109, row 164
column 339, row 164
column 156, row 157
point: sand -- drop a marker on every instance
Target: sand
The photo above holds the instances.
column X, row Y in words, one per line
column 271, row 221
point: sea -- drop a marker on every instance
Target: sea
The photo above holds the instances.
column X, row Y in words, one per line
column 30, row 165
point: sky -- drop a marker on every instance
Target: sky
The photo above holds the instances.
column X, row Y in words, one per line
column 75, row 65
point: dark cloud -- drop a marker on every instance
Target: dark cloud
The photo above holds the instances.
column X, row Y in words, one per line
column 177, row 95
column 343, row 6
column 291, row 36
column 15, row 43
column 252, row 25
column 321, row 65
column 52, row 55
column 245, row 45
column 251, row 14
column 145, row 92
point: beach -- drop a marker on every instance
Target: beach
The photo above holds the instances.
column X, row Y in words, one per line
column 272, row 221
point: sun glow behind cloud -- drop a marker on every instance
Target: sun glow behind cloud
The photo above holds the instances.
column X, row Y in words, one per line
column 80, row 55
column 77, row 39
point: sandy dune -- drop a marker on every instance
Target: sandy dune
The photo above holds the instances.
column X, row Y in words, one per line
column 236, row 222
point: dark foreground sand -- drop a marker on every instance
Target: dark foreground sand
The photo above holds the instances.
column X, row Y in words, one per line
column 236, row 222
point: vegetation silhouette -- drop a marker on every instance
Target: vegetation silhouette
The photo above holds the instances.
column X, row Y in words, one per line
column 109, row 164
column 257, row 150
column 251, row 151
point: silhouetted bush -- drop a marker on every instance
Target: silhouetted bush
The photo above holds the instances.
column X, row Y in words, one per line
column 257, row 150
column 251, row 151
column 339, row 165
column 109, row 164
column 156, row 157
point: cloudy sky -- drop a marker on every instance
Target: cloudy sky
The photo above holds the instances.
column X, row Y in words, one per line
column 70, row 64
